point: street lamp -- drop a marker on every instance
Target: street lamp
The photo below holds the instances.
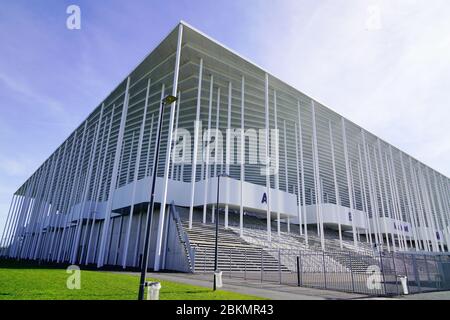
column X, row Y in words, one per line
column 217, row 229
column 144, row 264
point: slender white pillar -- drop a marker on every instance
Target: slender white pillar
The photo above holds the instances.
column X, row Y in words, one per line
column 349, row 183
column 135, row 175
column 159, row 237
column 362, row 190
column 113, row 183
column 73, row 193
column 208, row 141
column 431, row 208
column 297, row 168
column 411, row 209
column 335, row 182
column 380, row 190
column 228, row 153
column 372, row 192
column 286, row 172
column 101, row 184
column 8, row 219
column 172, row 171
column 84, row 197
column 216, row 147
column 242, row 171
column 317, row 178
column 302, row 172
column 267, row 158
column 96, row 189
column 420, row 217
column 197, row 132
column 277, row 159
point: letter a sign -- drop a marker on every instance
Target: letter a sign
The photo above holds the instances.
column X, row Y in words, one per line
column 264, row 198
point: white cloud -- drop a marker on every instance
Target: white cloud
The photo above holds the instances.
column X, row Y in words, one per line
column 15, row 167
column 391, row 80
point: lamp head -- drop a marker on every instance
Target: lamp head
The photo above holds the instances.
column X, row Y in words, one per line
column 169, row 99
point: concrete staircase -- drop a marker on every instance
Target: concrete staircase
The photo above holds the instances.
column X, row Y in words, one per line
column 239, row 254
column 234, row 253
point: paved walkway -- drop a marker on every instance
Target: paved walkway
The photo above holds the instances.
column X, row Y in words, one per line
column 256, row 288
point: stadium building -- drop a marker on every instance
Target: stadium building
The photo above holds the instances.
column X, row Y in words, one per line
column 293, row 173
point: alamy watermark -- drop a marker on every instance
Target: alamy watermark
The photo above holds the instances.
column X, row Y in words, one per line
column 74, row 280
column 73, row 21
column 374, row 279
column 215, row 147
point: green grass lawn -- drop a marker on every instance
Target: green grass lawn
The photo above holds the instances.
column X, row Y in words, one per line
column 26, row 282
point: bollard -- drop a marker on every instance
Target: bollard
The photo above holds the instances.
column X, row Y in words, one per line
column 404, row 283
column 218, row 279
column 153, row 290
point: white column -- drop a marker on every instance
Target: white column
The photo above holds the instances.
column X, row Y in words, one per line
column 381, row 199
column 135, row 175
column 431, row 207
column 336, row 186
column 317, row 178
column 197, row 132
column 362, row 191
column 112, row 186
column 101, row 183
column 207, row 180
column 388, row 209
column 411, row 209
column 421, row 220
column 266, row 102
column 8, row 220
column 73, row 193
column 445, row 209
column 297, row 167
column 228, row 153
column 149, row 147
column 241, row 208
column 86, row 189
column 172, row 171
column 372, row 192
column 397, row 198
column 95, row 191
column 441, row 211
column 349, row 183
column 159, row 237
column 286, row 173
column 216, row 148
column 277, row 175
column 302, row 171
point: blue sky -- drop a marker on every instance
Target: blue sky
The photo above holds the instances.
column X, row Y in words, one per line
column 384, row 64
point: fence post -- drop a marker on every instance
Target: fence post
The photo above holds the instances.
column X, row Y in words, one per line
column 262, row 266
column 230, row 262
column 351, row 272
column 426, row 268
column 382, row 273
column 442, row 273
column 395, row 273
column 204, row 261
column 324, row 269
column 193, row 257
column 301, row 268
column 245, row 264
column 416, row 272
column 279, row 264
column 298, row 271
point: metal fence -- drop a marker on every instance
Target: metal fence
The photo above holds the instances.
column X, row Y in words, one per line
column 374, row 275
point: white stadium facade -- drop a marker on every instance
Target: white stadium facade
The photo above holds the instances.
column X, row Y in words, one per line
column 308, row 178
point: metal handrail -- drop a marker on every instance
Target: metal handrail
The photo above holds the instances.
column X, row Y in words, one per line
column 183, row 235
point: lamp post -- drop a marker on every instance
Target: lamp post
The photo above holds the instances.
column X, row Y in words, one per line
column 216, row 257
column 144, row 264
